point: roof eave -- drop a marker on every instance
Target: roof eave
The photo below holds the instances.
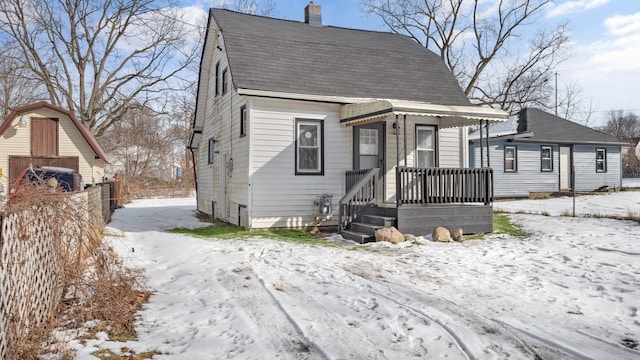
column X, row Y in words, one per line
column 449, row 115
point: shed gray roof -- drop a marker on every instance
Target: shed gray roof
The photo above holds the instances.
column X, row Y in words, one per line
column 294, row 57
column 541, row 126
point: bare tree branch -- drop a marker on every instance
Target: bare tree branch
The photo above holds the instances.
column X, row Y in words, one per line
column 97, row 57
column 484, row 44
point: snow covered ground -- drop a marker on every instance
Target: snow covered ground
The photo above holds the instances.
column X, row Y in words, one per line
column 570, row 290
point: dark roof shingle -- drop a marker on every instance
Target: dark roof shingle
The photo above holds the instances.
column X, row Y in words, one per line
column 550, row 128
column 294, row 57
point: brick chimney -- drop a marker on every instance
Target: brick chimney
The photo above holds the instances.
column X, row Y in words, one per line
column 312, row 14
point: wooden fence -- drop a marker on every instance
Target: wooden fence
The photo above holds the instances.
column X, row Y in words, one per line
column 31, row 260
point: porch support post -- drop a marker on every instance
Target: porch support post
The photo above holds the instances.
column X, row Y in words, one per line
column 395, row 125
column 404, row 126
column 488, row 154
column 481, row 147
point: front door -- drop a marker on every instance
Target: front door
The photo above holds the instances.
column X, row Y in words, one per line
column 368, row 152
column 565, row 168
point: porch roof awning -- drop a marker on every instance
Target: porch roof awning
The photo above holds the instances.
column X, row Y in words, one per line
column 449, row 115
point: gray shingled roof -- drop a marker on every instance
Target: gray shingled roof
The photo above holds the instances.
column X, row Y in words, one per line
column 541, row 126
column 550, row 128
column 294, row 57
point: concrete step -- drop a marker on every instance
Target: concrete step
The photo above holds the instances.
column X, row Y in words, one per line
column 383, row 221
column 357, row 236
column 364, row 228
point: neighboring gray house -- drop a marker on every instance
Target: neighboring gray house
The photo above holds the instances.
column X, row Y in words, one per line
column 535, row 151
column 298, row 124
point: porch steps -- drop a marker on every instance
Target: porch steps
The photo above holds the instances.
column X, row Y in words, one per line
column 364, row 231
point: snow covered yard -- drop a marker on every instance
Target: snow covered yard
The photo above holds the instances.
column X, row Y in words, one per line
column 570, row 290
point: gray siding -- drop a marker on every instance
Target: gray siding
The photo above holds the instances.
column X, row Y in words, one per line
column 587, row 179
column 529, row 178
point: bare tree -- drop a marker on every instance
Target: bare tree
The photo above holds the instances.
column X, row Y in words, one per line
column 484, row 44
column 141, row 146
column 264, row 7
column 100, row 58
column 17, row 85
column 624, row 126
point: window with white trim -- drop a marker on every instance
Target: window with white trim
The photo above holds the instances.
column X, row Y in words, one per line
column 601, row 160
column 510, row 159
column 225, row 81
column 309, row 147
column 546, row 158
column 425, row 146
column 210, row 150
column 243, row 121
column 217, row 77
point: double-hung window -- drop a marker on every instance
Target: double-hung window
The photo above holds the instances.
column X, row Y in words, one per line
column 510, row 159
column 425, row 146
column 546, row 158
column 309, row 147
column 601, row 160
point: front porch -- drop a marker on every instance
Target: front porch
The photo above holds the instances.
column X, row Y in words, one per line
column 425, row 198
column 437, row 191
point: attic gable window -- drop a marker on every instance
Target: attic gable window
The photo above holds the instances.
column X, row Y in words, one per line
column 601, row 160
column 217, row 79
column 243, row 120
column 225, row 80
column 210, row 151
column 309, row 147
column 546, row 158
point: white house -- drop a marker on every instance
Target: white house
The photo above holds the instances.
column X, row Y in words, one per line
column 299, row 124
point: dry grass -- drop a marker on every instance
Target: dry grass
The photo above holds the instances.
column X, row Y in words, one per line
column 92, row 280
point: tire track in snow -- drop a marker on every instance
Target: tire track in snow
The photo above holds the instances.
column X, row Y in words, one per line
column 250, row 295
column 456, row 321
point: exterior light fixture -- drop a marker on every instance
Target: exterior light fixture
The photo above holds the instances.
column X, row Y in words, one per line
column 22, row 122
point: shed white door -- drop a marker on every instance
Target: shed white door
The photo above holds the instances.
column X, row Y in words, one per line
column 565, row 168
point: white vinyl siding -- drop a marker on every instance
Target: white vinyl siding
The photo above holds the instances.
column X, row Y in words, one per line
column 279, row 198
column 223, row 181
column 448, row 148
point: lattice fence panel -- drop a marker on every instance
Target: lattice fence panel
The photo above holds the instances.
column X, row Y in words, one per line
column 33, row 252
column 30, row 276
